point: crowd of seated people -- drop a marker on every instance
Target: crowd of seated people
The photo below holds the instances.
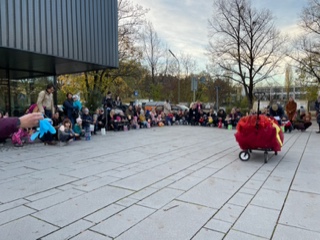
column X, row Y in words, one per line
column 113, row 117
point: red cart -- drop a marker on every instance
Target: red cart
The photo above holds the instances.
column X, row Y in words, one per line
column 258, row 132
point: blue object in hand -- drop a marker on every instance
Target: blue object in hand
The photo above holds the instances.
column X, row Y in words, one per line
column 45, row 126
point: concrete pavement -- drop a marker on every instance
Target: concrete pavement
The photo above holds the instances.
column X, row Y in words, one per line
column 177, row 182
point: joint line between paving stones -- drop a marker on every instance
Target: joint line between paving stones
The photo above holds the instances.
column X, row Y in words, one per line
column 239, row 191
column 295, row 173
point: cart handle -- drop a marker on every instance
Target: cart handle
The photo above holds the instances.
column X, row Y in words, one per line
column 258, row 95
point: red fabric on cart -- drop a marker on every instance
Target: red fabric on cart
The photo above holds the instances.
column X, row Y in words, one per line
column 264, row 136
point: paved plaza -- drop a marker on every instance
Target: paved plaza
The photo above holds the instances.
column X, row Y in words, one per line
column 170, row 183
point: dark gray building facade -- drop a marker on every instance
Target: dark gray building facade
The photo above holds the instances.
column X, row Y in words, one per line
column 54, row 37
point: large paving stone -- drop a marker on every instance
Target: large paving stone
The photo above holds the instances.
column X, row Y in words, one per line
column 212, row 192
column 93, row 169
column 143, row 193
column 57, row 198
column 160, row 198
column 229, row 213
column 177, row 220
column 43, row 194
column 237, row 235
column 300, row 211
column 92, row 185
column 12, row 204
column 241, row 199
column 146, row 178
column 206, row 234
column 104, row 213
column 269, row 199
column 257, row 221
column 238, row 171
column 122, row 221
column 28, row 186
column 14, row 213
column 89, row 235
column 277, row 183
column 15, row 172
column 293, row 233
column 306, row 182
column 70, row 211
column 218, row 225
column 27, row 228
column 186, row 183
column 69, row 231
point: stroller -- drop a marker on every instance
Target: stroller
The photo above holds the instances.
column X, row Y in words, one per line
column 258, row 132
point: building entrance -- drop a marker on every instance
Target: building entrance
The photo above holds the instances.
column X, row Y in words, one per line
column 4, row 96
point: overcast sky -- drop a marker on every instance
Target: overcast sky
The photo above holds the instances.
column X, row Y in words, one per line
column 183, row 24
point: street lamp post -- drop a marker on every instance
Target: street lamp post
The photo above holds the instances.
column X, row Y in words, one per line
column 178, row 74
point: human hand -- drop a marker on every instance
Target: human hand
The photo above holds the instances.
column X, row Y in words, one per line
column 30, row 120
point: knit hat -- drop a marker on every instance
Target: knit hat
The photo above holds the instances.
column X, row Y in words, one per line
column 76, row 97
column 275, row 107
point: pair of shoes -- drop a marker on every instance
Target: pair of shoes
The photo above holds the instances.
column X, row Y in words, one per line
column 52, row 143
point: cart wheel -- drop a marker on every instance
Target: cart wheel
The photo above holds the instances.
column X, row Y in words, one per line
column 244, row 155
column 250, row 151
column 276, row 153
column 265, row 157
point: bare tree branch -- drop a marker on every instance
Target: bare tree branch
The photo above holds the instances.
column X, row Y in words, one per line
column 245, row 42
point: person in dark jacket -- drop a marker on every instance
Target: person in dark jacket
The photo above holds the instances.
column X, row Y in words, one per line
column 86, row 121
column 193, row 115
column 10, row 125
column 277, row 112
column 69, row 108
column 221, row 116
column 107, row 105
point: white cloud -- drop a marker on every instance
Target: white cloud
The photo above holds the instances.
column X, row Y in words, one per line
column 183, row 24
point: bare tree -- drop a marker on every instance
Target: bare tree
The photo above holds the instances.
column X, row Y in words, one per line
column 152, row 52
column 189, row 65
column 244, row 42
column 307, row 47
column 152, row 49
column 131, row 19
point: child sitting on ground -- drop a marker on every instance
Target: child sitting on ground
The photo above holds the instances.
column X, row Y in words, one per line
column 286, row 124
column 66, row 134
column 78, row 129
column 134, row 123
column 143, row 121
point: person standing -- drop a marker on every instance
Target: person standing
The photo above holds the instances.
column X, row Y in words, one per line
column 77, row 105
column 69, row 108
column 317, row 107
column 46, row 106
column 45, row 101
column 167, row 111
column 291, row 109
column 117, row 102
column 107, row 105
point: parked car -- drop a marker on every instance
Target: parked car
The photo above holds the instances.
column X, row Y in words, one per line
column 179, row 107
column 158, row 106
